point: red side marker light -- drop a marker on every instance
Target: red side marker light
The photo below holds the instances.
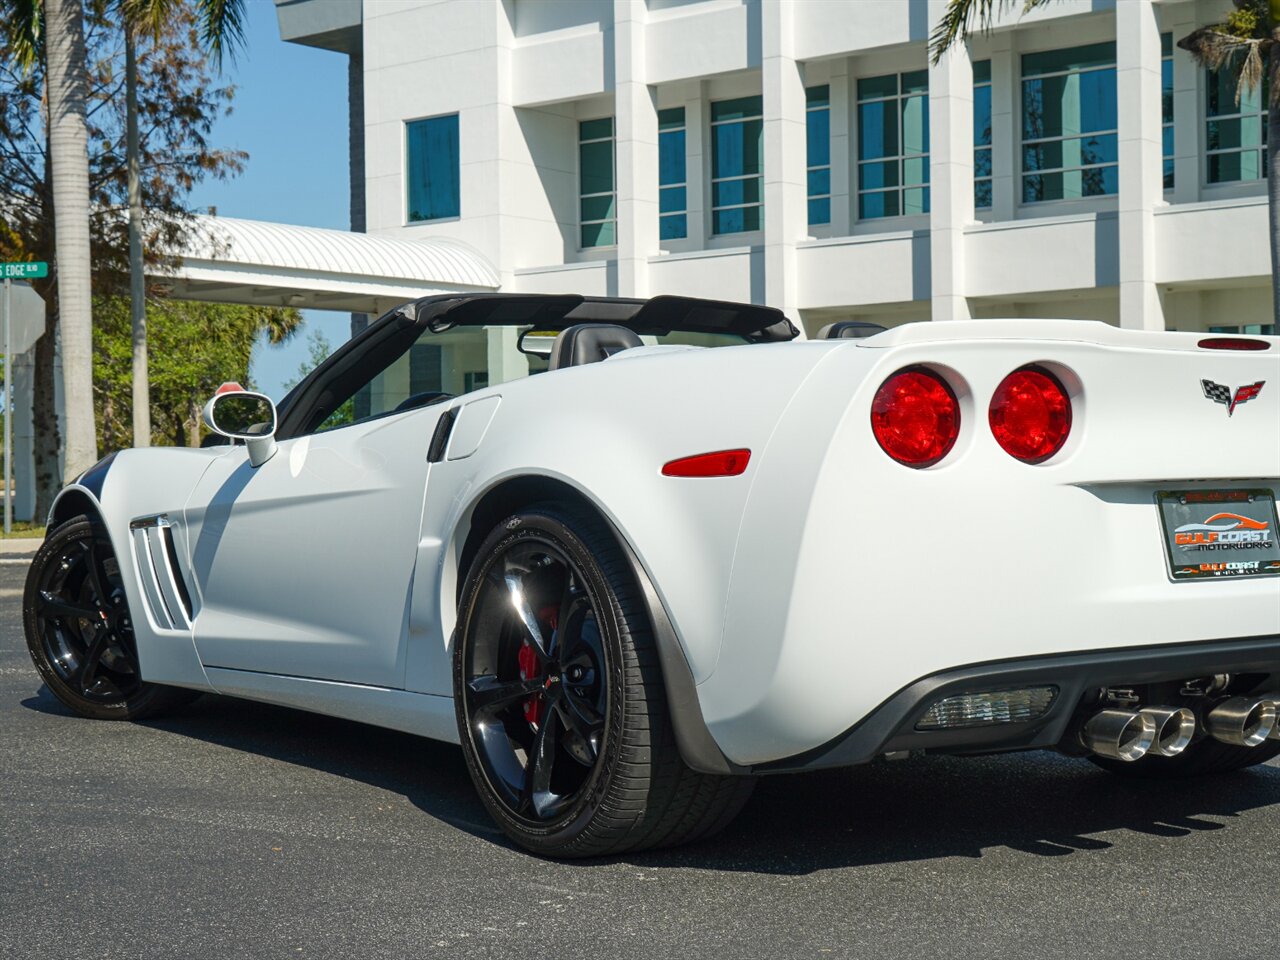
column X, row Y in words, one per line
column 1232, row 343
column 722, row 463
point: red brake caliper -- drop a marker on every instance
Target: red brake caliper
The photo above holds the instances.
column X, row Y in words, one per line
column 530, row 668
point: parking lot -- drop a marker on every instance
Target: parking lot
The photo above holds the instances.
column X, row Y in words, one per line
column 240, row 830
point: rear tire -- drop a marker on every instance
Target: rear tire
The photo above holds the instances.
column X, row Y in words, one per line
column 561, row 707
column 1207, row 757
column 80, row 632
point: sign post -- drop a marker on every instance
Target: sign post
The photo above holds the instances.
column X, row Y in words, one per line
column 11, row 272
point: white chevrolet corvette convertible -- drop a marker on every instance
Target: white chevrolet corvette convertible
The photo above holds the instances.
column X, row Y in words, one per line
column 632, row 555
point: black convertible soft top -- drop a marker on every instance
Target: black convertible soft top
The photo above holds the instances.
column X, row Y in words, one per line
column 552, row 312
column 360, row 358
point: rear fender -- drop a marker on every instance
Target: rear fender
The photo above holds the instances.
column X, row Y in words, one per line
column 696, row 746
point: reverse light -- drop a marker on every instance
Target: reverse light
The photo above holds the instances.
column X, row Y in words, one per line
column 915, row 417
column 988, row 709
column 1030, row 414
column 1232, row 343
column 722, row 463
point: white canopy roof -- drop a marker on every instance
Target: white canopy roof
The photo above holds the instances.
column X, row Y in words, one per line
column 249, row 261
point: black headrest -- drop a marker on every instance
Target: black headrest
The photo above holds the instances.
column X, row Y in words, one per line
column 849, row 330
column 589, row 343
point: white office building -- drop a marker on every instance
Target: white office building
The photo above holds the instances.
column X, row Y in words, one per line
column 804, row 153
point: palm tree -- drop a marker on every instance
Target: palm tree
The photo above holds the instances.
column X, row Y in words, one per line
column 67, row 83
column 56, row 29
column 222, row 29
column 1247, row 42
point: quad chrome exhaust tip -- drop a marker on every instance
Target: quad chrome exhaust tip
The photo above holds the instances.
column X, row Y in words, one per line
column 1175, row 728
column 1121, row 734
column 1243, row 721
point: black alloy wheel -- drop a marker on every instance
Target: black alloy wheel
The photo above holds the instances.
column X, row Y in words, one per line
column 534, row 681
column 561, row 707
column 79, row 628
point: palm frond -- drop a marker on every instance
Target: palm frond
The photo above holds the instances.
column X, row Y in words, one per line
column 24, row 31
column 222, row 24
column 962, row 18
column 148, row 16
column 1215, row 50
column 1250, row 72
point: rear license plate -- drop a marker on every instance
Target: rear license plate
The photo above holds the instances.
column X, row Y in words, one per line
column 1212, row 534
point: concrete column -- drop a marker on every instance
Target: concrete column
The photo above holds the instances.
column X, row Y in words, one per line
column 785, row 207
column 697, row 163
column 509, row 142
column 1141, row 173
column 843, row 165
column 355, row 154
column 636, row 136
column 1006, row 184
column 950, row 174
column 1188, row 131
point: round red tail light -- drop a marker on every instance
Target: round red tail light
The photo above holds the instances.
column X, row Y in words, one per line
column 915, row 417
column 1030, row 414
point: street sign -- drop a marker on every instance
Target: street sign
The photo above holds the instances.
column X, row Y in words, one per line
column 10, row 272
column 24, row 271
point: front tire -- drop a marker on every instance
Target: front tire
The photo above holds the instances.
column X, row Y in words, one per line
column 79, row 629
column 561, row 708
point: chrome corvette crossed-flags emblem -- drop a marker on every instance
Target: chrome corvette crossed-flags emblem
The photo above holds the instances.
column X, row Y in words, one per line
column 1222, row 394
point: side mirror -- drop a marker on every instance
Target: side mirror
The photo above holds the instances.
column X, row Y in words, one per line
column 242, row 415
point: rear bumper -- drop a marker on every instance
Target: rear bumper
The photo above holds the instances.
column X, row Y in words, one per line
column 891, row 727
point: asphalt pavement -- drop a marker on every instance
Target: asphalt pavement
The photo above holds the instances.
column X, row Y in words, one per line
column 239, row 830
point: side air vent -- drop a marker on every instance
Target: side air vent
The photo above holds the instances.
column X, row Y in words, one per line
column 440, row 439
column 175, row 568
column 156, row 554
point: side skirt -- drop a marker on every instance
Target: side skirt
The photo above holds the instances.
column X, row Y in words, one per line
column 424, row 714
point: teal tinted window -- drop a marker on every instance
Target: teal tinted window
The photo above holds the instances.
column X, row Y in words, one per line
column 674, row 227
column 1235, row 134
column 893, row 145
column 736, row 220
column 673, row 223
column 915, row 82
column 741, row 109
column 597, row 199
column 737, row 165
column 1254, row 329
column 818, row 136
column 432, row 161
column 877, row 88
column 601, row 129
column 1069, row 123
column 1071, row 60
column 982, row 134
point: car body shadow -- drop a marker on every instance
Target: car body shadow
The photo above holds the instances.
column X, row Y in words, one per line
column 1038, row 804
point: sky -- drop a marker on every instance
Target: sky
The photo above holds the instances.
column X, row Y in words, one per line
column 290, row 115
